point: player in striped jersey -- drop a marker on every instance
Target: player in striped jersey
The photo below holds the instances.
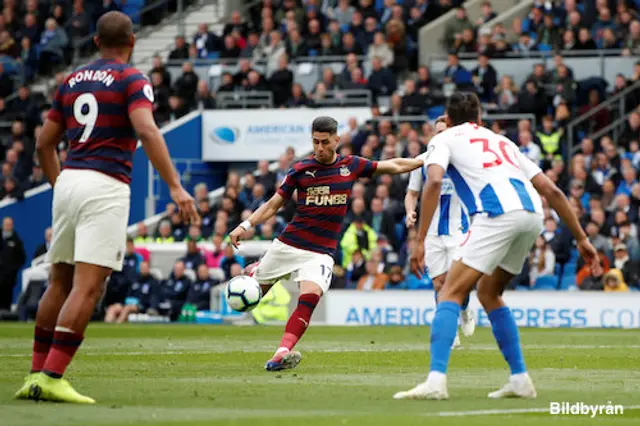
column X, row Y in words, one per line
column 500, row 189
column 101, row 107
column 445, row 234
column 304, row 251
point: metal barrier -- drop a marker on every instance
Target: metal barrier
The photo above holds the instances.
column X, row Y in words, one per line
column 335, row 98
column 485, row 116
column 241, row 100
column 618, row 99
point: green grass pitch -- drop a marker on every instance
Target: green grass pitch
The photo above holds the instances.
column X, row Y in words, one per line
column 170, row 375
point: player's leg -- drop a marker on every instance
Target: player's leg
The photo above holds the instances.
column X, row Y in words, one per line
column 503, row 324
column 88, row 285
column 314, row 278
column 285, row 357
column 60, row 284
column 480, row 255
column 505, row 331
column 467, row 320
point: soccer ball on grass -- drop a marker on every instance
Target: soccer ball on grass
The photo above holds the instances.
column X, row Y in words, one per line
column 243, row 293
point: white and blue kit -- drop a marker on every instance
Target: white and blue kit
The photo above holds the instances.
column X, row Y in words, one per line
column 448, row 227
column 492, row 178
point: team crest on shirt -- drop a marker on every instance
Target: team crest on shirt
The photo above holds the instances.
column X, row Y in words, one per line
column 344, row 171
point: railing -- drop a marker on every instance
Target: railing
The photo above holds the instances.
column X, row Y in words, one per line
column 616, row 125
column 619, row 99
column 485, row 116
column 245, row 99
column 355, row 97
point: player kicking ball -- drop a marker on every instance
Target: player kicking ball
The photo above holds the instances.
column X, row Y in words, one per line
column 100, row 107
column 500, row 189
column 304, row 251
column 445, row 233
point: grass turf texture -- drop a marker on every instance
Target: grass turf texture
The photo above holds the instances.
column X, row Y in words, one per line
column 166, row 375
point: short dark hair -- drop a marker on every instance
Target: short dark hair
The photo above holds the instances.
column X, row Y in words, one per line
column 115, row 29
column 325, row 124
column 463, row 108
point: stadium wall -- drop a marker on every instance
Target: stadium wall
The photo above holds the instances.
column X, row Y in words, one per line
column 537, row 309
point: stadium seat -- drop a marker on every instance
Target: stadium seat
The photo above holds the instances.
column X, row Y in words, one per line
column 567, row 281
column 523, row 288
column 546, row 282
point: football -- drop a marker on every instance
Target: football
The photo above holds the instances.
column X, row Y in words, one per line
column 243, row 293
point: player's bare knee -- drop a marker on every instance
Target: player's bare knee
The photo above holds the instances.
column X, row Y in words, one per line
column 487, row 296
column 309, row 287
column 438, row 282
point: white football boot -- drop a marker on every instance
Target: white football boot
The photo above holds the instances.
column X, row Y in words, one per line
column 434, row 388
column 468, row 323
column 519, row 386
column 456, row 341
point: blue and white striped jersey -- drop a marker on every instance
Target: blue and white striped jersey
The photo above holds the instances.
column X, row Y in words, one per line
column 449, row 217
column 491, row 176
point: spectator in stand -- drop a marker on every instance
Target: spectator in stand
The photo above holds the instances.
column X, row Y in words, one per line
column 194, row 257
column 229, row 259
column 139, row 297
column 373, row 279
column 173, row 292
column 542, row 261
column 214, row 257
column 614, row 281
column 53, row 41
column 165, row 232
column 12, row 258
column 453, row 30
column 199, row 293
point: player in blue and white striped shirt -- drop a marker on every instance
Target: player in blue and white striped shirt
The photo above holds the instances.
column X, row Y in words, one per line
column 445, row 234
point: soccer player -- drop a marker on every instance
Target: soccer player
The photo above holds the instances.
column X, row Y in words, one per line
column 101, row 107
column 500, row 189
column 305, row 248
column 445, row 234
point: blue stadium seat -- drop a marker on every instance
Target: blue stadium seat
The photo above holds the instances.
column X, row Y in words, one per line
column 435, row 112
column 567, row 281
column 523, row 288
column 546, row 282
column 573, row 255
column 557, row 269
column 213, row 55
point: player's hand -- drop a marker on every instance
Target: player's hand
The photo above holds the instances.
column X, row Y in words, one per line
column 186, row 205
column 411, row 219
column 236, row 235
column 417, row 259
column 590, row 256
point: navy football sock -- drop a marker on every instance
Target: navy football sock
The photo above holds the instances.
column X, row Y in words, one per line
column 443, row 331
column 506, row 333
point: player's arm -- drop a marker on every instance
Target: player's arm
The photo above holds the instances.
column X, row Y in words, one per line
column 261, row 215
column 558, row 201
column 156, row 149
column 411, row 198
column 397, row 166
column 50, row 136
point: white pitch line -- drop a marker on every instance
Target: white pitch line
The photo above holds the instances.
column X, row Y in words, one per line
column 379, row 348
column 503, row 411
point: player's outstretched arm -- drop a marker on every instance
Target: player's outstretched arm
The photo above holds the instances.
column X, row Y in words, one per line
column 261, row 215
column 397, row 166
column 430, row 197
column 156, row 149
column 558, row 201
column 50, row 136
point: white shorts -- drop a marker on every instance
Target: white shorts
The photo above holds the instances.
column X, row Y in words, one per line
column 90, row 216
column 282, row 261
column 504, row 241
column 440, row 252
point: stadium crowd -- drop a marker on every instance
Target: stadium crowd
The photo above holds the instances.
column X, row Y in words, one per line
column 600, row 177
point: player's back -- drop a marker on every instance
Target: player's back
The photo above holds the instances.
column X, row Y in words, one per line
column 93, row 104
column 489, row 173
